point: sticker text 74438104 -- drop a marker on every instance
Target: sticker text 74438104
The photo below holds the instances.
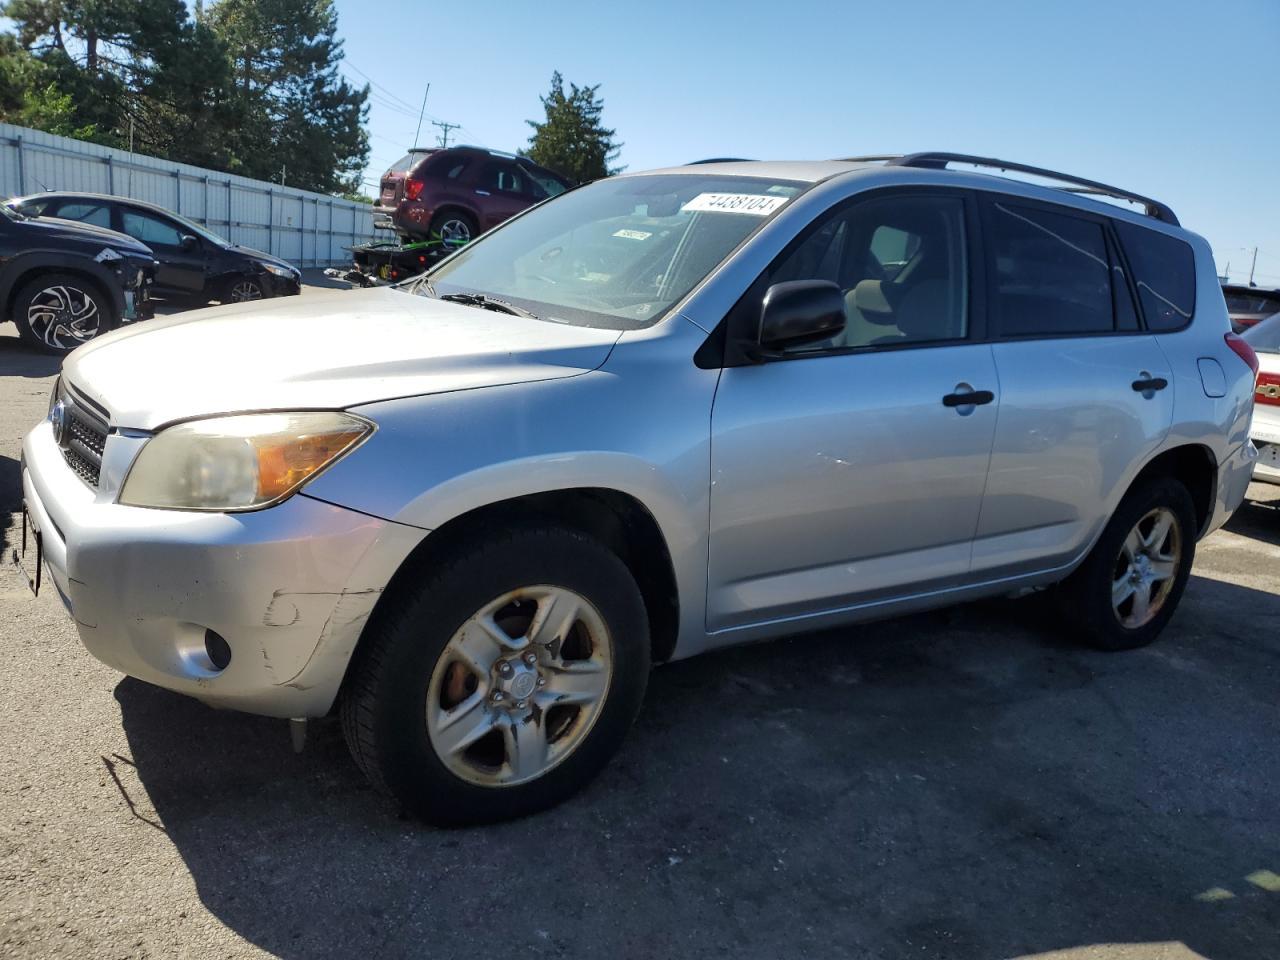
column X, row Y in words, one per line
column 755, row 204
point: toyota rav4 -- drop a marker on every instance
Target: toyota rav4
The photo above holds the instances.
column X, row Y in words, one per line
column 657, row 415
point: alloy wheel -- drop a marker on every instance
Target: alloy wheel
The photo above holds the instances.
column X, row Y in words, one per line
column 455, row 232
column 245, row 291
column 519, row 686
column 63, row 317
column 1146, row 568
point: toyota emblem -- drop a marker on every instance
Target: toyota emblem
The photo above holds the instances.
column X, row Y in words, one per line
column 61, row 424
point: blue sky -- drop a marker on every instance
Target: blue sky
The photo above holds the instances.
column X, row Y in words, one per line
column 1178, row 100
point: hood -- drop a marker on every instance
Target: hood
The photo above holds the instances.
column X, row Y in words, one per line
column 53, row 230
column 331, row 349
column 259, row 255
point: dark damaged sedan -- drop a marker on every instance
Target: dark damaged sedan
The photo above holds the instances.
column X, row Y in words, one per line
column 194, row 262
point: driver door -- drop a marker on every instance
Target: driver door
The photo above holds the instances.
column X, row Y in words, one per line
column 181, row 270
column 845, row 474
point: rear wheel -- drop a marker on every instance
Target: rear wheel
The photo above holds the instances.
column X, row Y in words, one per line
column 1128, row 587
column 58, row 312
column 504, row 682
column 454, row 228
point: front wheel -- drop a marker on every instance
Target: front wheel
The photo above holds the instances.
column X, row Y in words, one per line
column 502, row 683
column 243, row 290
column 1128, row 587
column 59, row 312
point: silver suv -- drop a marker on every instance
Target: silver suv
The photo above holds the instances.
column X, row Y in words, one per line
column 659, row 414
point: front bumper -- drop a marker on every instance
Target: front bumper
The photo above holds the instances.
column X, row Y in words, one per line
column 288, row 588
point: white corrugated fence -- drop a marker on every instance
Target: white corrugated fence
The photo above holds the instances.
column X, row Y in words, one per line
column 305, row 228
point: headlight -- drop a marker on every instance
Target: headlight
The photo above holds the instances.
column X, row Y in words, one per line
column 286, row 272
column 242, row 462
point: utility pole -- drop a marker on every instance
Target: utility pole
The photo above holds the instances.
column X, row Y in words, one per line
column 1253, row 265
column 445, row 128
column 420, row 113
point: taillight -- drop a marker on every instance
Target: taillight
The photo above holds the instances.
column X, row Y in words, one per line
column 1242, row 350
column 412, row 188
column 1268, row 389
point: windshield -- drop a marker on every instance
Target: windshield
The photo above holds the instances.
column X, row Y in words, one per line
column 618, row 253
column 10, row 211
column 1264, row 336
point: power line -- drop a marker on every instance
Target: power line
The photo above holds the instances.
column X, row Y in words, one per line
column 444, row 131
column 408, row 106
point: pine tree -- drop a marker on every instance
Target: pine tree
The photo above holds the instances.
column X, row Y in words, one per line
column 571, row 140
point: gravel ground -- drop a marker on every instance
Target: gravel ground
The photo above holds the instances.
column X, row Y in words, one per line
column 963, row 784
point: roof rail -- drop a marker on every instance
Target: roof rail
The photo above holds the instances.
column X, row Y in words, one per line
column 939, row 161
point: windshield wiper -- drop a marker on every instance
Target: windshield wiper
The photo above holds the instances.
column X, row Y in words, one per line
column 486, row 302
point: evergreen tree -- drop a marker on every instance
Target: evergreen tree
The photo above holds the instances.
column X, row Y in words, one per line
column 571, row 140
column 302, row 116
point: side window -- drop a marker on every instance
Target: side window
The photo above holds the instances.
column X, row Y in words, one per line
column 901, row 263
column 150, row 230
column 96, row 213
column 446, row 166
column 541, row 185
column 1052, row 272
column 503, row 177
column 1164, row 268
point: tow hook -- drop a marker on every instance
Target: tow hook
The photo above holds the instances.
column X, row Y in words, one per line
column 298, row 733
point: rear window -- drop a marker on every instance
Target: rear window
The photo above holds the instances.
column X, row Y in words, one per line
column 1252, row 302
column 1052, row 273
column 1265, row 336
column 1164, row 270
column 407, row 161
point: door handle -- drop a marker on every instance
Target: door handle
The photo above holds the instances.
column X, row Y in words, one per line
column 973, row 398
column 1148, row 384
column 482, row 193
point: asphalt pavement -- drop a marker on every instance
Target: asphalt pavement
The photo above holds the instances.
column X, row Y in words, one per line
column 961, row 784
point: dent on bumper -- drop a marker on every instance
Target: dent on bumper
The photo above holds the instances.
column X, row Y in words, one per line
column 289, row 588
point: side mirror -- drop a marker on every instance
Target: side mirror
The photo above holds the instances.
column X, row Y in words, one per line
column 799, row 312
column 189, row 243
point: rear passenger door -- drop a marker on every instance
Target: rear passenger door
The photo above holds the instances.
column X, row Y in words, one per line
column 1085, row 393
column 502, row 192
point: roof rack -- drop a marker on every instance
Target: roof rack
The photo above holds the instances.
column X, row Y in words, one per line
column 939, row 161
column 693, row 163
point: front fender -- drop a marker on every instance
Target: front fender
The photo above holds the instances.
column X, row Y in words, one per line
column 24, row 263
column 436, row 458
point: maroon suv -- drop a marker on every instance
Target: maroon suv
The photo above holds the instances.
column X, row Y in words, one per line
column 458, row 193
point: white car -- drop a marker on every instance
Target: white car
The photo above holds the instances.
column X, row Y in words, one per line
column 1264, row 337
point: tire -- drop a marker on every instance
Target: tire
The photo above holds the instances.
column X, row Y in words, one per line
column 1103, row 600
column 454, row 227
column 430, row 722
column 244, row 290
column 57, row 312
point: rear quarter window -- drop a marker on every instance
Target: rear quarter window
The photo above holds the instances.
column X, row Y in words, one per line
column 1164, row 270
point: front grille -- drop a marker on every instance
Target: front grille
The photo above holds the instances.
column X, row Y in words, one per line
column 83, row 442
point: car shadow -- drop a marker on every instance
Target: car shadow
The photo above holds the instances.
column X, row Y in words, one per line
column 10, row 502
column 1258, row 520
column 957, row 784
column 19, row 360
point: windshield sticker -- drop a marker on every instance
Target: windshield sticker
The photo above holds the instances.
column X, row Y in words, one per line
column 632, row 234
column 756, row 204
